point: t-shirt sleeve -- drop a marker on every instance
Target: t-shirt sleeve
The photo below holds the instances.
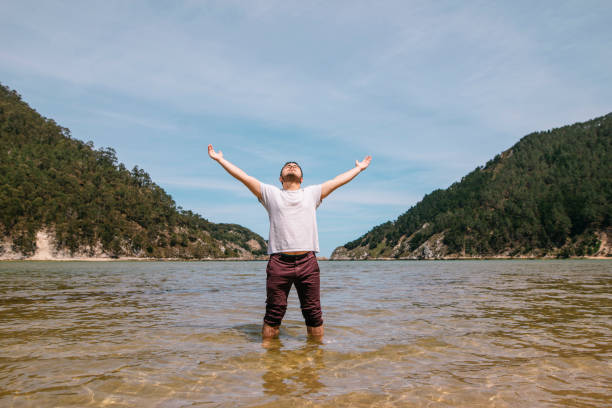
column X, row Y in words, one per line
column 315, row 191
column 266, row 194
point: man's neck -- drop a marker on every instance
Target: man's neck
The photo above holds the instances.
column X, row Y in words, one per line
column 291, row 186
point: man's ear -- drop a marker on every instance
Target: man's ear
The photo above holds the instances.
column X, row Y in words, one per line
column 280, row 179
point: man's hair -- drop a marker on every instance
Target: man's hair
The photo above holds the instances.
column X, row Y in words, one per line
column 291, row 162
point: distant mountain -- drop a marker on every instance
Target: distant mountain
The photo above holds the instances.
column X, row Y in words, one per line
column 549, row 195
column 60, row 195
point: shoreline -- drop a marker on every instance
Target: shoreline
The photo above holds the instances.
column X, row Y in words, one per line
column 136, row 259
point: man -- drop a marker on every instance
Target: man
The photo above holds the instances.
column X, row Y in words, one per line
column 293, row 239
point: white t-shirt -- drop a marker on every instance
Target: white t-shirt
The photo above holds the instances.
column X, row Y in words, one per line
column 293, row 220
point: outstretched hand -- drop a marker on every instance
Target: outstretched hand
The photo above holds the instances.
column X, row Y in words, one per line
column 364, row 163
column 214, row 155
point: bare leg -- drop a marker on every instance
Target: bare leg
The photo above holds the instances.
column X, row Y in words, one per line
column 269, row 332
column 315, row 333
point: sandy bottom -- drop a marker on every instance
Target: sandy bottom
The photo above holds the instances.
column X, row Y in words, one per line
column 398, row 334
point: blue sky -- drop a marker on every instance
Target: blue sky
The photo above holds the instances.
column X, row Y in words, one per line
column 430, row 89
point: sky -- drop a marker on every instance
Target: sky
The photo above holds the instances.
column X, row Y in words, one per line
column 431, row 90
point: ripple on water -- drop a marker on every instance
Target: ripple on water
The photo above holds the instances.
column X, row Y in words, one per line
column 399, row 334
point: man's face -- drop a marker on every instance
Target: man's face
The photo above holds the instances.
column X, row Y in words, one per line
column 292, row 173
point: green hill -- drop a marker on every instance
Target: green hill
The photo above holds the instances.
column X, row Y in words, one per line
column 548, row 195
column 88, row 204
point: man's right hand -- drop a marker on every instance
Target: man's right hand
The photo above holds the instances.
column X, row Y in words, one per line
column 214, row 155
column 251, row 182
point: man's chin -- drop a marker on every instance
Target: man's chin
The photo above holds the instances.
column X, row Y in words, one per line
column 291, row 179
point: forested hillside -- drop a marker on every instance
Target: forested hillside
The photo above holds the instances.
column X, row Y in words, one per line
column 90, row 203
column 548, row 195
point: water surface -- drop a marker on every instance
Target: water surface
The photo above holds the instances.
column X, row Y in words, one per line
column 398, row 334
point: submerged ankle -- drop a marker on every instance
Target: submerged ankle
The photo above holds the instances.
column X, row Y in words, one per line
column 315, row 331
column 270, row 332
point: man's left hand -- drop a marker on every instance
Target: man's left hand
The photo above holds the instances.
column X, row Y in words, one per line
column 364, row 163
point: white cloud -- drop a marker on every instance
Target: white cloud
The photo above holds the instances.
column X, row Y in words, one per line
column 142, row 121
column 342, row 199
column 196, row 183
column 429, row 64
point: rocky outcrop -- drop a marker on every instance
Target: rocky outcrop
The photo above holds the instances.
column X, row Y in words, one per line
column 47, row 249
column 434, row 248
column 605, row 248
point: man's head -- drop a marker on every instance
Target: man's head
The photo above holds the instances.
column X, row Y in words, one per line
column 291, row 172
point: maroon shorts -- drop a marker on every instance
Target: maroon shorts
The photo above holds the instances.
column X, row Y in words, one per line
column 283, row 271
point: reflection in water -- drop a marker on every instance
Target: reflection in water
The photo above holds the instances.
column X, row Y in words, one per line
column 173, row 334
column 292, row 372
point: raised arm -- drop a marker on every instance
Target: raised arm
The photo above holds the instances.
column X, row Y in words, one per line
column 251, row 182
column 342, row 179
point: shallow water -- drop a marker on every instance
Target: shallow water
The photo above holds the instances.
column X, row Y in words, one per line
column 398, row 334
